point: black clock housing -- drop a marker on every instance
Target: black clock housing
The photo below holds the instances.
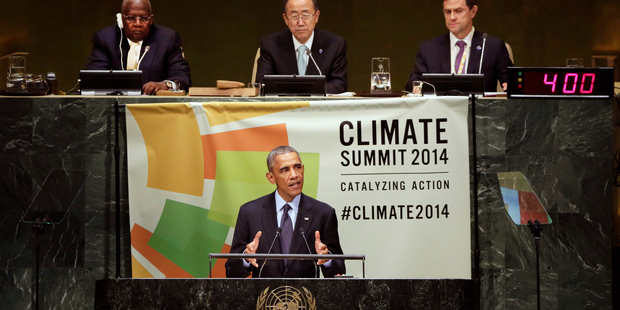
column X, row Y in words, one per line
column 560, row 82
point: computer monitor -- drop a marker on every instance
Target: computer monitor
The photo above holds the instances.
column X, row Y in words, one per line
column 111, row 82
column 447, row 84
column 294, row 85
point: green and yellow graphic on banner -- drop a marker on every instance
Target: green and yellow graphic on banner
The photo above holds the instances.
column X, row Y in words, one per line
column 180, row 159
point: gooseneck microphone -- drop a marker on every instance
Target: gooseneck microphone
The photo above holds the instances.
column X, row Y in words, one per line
column 484, row 42
column 303, row 235
column 146, row 50
column 317, row 66
column 278, row 231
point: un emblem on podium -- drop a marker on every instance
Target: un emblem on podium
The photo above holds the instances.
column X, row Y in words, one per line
column 286, row 298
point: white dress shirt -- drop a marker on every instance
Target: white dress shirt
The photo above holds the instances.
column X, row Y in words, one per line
column 454, row 51
column 308, row 46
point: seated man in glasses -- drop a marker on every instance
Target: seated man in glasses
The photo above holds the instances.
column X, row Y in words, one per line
column 141, row 45
column 286, row 52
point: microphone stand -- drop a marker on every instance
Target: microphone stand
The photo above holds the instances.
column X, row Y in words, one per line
column 316, row 268
column 38, row 230
column 537, row 232
column 317, row 66
column 146, row 50
column 278, row 231
column 484, row 42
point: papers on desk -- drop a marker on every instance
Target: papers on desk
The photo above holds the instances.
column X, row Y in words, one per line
column 489, row 94
column 345, row 94
column 495, row 94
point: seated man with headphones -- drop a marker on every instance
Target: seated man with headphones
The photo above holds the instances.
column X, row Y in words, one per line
column 137, row 44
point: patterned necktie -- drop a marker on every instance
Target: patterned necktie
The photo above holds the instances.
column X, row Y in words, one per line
column 287, row 232
column 301, row 60
column 132, row 60
column 458, row 62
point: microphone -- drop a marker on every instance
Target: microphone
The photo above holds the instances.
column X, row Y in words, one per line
column 317, row 66
column 303, row 234
column 278, row 231
column 146, row 50
column 484, row 41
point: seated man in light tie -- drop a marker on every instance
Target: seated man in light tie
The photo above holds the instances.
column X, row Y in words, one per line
column 142, row 45
column 460, row 50
column 296, row 216
column 286, row 52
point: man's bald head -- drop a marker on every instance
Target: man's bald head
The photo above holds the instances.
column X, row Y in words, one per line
column 126, row 5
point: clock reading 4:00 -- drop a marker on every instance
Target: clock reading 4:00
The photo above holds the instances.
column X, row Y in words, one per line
column 560, row 82
column 571, row 82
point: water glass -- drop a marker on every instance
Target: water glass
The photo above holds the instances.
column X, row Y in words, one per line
column 574, row 62
column 380, row 75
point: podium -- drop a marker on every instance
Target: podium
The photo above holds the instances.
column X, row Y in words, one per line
column 307, row 294
column 332, row 294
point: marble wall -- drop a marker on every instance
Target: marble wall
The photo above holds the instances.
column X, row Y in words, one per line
column 564, row 148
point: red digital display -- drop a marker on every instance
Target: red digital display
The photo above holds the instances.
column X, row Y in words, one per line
column 560, row 82
column 555, row 83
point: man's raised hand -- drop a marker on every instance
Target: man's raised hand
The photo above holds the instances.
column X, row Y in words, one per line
column 320, row 247
column 251, row 249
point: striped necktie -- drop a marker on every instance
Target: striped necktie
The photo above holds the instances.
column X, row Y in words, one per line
column 132, row 60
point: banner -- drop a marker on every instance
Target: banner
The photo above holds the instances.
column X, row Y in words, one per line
column 395, row 170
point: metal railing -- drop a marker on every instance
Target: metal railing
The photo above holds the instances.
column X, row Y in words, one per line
column 289, row 256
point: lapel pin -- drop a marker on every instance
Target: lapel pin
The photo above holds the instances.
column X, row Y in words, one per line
column 320, row 51
column 479, row 48
column 306, row 218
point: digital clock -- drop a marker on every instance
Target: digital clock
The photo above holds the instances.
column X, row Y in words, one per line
column 560, row 82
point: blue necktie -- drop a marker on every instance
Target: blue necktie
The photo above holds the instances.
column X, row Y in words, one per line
column 287, row 232
column 301, row 60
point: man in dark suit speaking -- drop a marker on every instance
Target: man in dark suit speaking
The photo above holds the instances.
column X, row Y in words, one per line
column 285, row 52
column 156, row 50
column 460, row 50
column 293, row 212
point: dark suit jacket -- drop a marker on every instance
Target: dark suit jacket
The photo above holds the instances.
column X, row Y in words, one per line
column 278, row 56
column 260, row 215
column 434, row 57
column 164, row 61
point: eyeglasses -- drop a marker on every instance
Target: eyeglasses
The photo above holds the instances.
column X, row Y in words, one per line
column 133, row 19
column 305, row 17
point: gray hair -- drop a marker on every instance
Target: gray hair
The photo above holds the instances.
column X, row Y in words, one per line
column 280, row 150
column 314, row 2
